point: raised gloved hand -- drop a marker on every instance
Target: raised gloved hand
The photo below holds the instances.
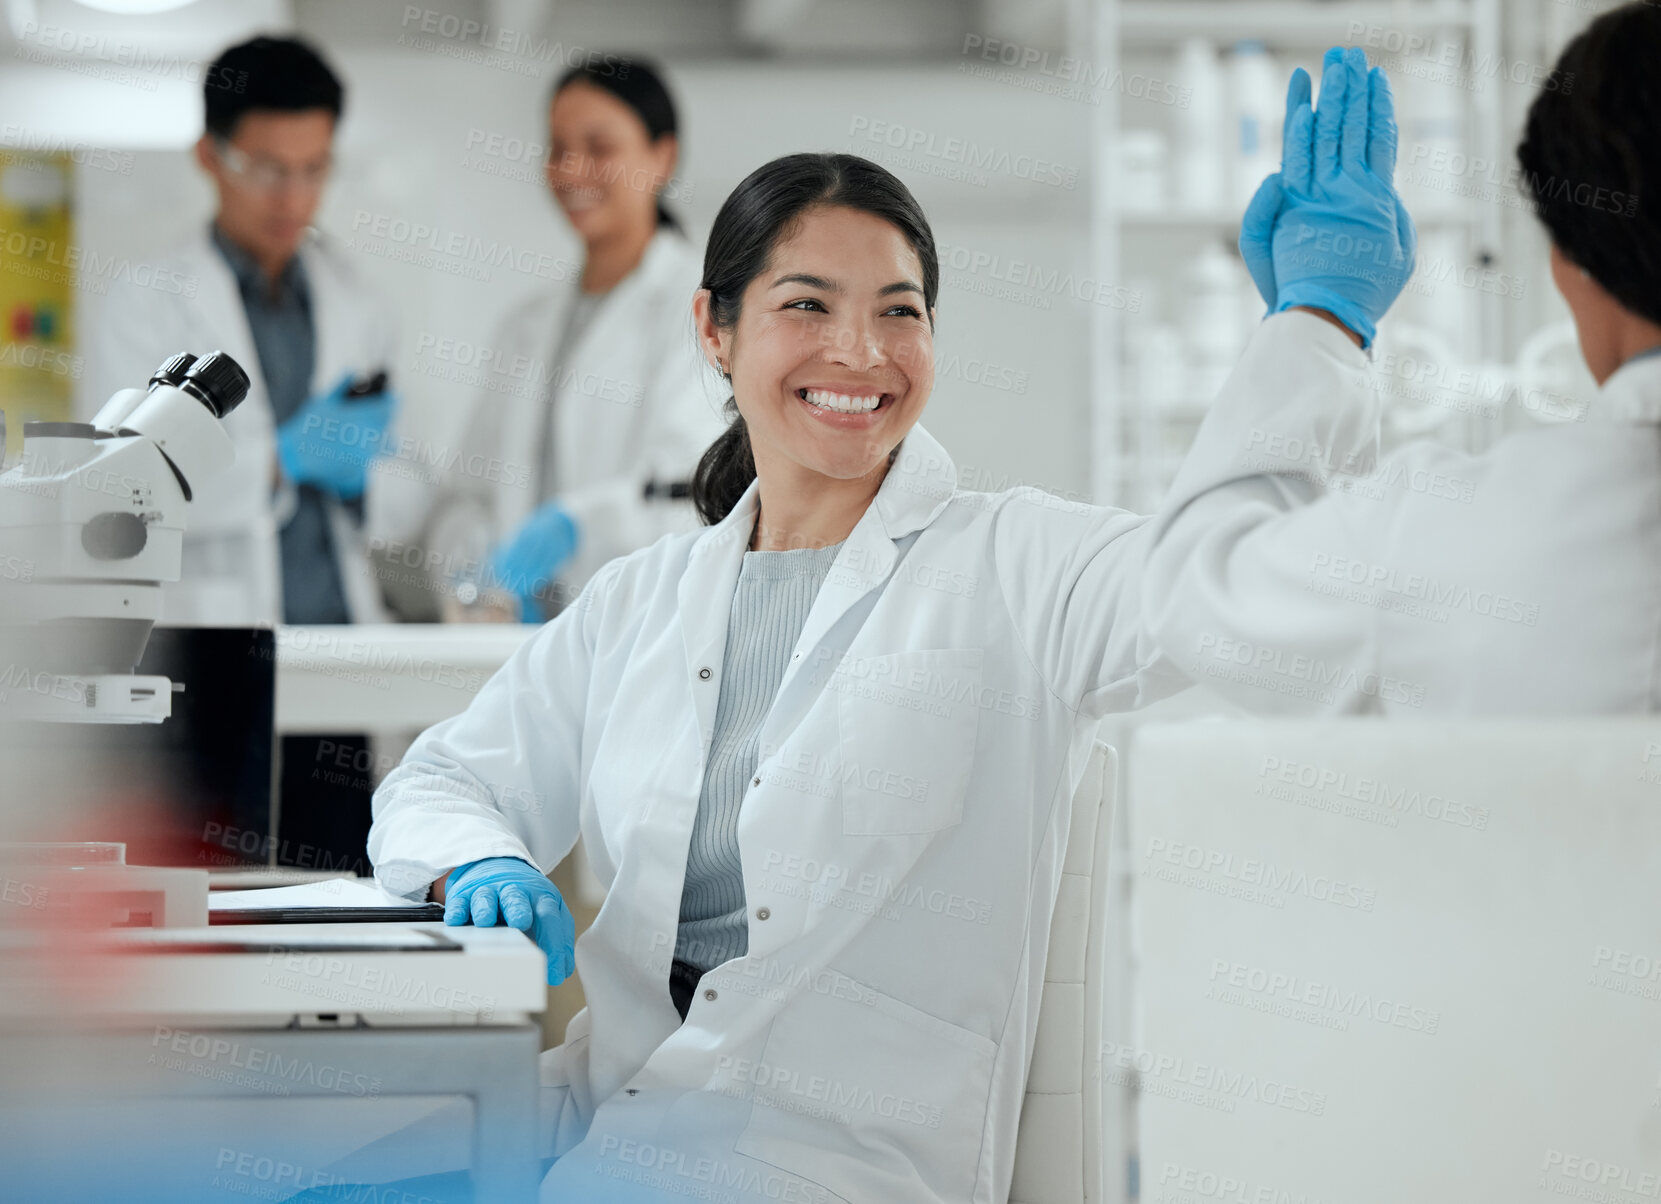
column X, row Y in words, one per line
column 513, row 892
column 528, row 562
column 330, row 440
column 1328, row 230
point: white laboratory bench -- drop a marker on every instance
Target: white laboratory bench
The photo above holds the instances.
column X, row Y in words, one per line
column 387, row 676
column 209, row 1064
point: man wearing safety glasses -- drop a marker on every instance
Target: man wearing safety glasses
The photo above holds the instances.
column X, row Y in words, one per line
column 282, row 539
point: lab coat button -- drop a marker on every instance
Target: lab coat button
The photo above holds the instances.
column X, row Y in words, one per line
column 757, row 782
column 709, row 995
column 705, row 673
column 631, row 1091
column 763, row 913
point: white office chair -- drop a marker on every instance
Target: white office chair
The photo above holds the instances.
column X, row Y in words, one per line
column 1059, row 1149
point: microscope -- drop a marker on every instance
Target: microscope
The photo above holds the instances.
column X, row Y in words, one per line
column 92, row 523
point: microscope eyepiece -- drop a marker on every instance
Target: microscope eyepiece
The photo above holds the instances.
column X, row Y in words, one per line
column 173, row 369
column 218, row 381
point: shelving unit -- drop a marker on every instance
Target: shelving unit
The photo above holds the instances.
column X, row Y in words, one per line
column 1136, row 446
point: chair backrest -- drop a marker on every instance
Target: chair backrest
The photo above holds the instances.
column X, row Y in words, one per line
column 1447, row 931
column 1058, row 1152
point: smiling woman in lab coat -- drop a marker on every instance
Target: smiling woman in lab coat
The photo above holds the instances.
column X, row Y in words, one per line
column 820, row 753
column 594, row 404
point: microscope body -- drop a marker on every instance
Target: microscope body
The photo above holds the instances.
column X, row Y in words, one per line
column 92, row 523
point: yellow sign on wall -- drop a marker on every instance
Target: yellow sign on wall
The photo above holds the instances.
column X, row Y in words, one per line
column 38, row 363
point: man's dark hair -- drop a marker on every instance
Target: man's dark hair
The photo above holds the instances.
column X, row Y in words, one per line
column 1591, row 155
column 284, row 74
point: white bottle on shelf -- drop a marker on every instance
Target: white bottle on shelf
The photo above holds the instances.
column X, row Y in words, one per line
column 1254, row 95
column 1200, row 152
column 1430, row 157
column 1212, row 316
column 1440, row 295
column 1160, row 383
column 1143, row 155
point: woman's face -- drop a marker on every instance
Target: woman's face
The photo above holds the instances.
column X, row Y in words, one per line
column 603, row 168
column 832, row 357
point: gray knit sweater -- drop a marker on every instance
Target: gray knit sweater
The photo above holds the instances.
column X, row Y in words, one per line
column 769, row 609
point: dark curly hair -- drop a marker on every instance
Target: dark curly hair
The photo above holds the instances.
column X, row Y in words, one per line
column 1591, row 155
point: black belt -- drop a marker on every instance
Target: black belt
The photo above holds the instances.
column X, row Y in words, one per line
column 683, row 984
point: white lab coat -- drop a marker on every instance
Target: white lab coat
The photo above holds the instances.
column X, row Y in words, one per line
column 1525, row 580
column 231, row 564
column 901, row 843
column 631, row 404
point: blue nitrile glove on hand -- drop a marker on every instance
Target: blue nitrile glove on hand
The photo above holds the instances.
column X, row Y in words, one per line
column 329, row 441
column 1328, row 230
column 527, row 563
column 509, row 891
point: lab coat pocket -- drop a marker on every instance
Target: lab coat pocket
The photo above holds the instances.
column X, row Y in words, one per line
column 857, row 1090
column 908, row 725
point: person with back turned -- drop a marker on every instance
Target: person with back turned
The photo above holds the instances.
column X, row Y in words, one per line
column 1522, row 581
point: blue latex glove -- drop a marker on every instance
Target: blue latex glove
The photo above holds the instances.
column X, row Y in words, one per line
column 1328, row 230
column 329, row 441
column 513, row 892
column 527, row 563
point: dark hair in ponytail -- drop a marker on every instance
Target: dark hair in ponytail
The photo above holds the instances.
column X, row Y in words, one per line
column 761, row 211
column 638, row 84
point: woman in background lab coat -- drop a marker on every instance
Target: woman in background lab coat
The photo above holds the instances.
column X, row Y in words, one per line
column 595, row 408
column 1526, row 580
column 928, row 704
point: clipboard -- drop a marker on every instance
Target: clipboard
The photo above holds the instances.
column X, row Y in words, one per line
column 425, row 913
